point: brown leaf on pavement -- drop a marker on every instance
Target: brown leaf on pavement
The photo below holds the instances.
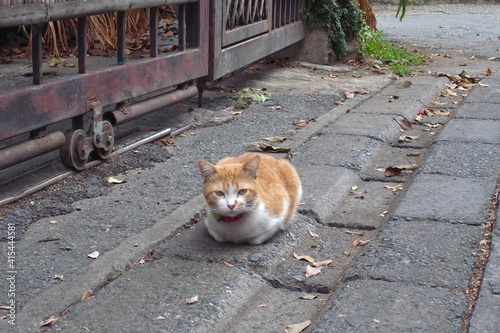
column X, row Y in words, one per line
column 404, row 123
column 297, row 328
column 309, row 297
column 395, row 170
column 311, row 271
column 192, row 300
column 87, row 294
column 304, row 257
column 394, row 188
column 49, row 321
column 266, row 147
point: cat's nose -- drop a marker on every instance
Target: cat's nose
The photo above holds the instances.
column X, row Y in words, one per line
column 231, row 206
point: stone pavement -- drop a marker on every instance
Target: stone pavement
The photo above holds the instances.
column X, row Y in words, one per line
column 404, row 248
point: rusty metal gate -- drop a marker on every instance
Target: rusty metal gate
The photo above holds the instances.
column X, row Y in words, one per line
column 215, row 38
column 244, row 31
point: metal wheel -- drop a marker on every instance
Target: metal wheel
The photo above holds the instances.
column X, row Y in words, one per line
column 108, row 140
column 76, row 150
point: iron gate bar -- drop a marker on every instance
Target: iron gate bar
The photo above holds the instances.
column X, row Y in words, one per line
column 26, row 14
column 82, row 44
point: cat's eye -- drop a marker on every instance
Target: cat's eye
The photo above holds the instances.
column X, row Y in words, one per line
column 219, row 193
column 242, row 191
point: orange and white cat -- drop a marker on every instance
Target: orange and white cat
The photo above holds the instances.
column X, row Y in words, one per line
column 250, row 197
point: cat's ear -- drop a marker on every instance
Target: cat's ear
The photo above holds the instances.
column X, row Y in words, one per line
column 251, row 166
column 207, row 170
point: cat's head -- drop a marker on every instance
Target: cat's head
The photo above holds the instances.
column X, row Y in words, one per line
column 230, row 189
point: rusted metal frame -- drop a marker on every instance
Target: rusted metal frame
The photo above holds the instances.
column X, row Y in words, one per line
column 181, row 33
column 82, row 44
column 277, row 13
column 28, row 14
column 129, row 112
column 29, row 149
column 37, row 52
column 121, row 29
column 241, row 33
column 33, row 107
column 192, row 29
column 153, row 32
column 239, row 55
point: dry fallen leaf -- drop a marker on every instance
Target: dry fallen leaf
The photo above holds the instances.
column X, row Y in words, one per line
column 360, row 242
column 309, row 297
column 304, row 257
column 405, row 84
column 59, row 276
column 53, row 222
column 395, row 170
column 376, row 321
column 301, row 123
column 404, row 138
column 192, row 300
column 394, row 188
column 113, row 180
column 93, row 255
column 267, row 148
column 297, row 328
column 235, row 112
column 355, row 233
column 349, row 95
column 49, row 321
column 404, row 123
column 274, row 107
column 322, row 263
column 433, row 125
column 226, row 263
column 87, row 294
column 311, row 271
column 346, row 253
column 312, row 234
column 488, row 72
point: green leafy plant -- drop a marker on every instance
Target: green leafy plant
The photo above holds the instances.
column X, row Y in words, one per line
column 340, row 19
column 399, row 58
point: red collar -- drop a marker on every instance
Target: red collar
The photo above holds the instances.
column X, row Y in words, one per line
column 229, row 219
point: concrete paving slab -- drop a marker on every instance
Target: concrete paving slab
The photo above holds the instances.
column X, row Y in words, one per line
column 477, row 130
column 396, row 157
column 486, row 92
column 338, row 150
column 478, row 111
column 323, row 188
column 405, row 102
column 464, row 159
column 364, row 208
column 400, row 307
column 432, row 253
column 380, row 127
column 439, row 197
column 488, row 303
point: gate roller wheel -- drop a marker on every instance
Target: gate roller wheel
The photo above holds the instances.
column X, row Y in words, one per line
column 76, row 150
column 108, row 137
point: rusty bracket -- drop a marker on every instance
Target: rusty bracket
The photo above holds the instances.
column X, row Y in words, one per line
column 97, row 119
